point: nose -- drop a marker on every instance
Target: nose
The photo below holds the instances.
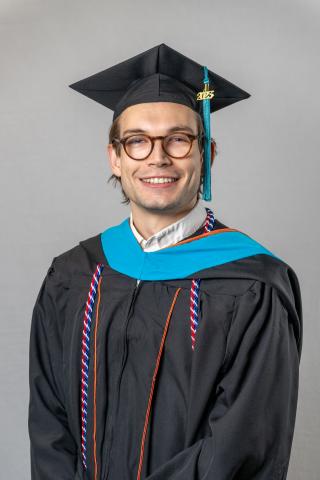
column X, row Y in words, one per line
column 158, row 156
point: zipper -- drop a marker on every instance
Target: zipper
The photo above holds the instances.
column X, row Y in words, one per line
column 124, row 354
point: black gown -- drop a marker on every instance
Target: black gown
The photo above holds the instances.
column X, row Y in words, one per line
column 156, row 409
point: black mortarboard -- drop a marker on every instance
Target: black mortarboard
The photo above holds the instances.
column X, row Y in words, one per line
column 161, row 74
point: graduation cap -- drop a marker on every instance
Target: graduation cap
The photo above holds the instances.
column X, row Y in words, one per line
column 162, row 74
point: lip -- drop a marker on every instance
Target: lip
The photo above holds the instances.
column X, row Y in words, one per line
column 158, row 176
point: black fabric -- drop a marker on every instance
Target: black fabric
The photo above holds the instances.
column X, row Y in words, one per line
column 160, row 74
column 223, row 411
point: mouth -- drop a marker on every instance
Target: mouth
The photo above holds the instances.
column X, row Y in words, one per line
column 159, row 181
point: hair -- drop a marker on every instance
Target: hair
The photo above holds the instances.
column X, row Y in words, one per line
column 114, row 132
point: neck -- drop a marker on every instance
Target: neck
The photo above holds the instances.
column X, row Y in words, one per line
column 148, row 222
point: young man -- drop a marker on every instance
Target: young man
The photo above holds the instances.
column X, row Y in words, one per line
column 168, row 346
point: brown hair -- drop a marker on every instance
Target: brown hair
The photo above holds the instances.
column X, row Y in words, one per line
column 114, row 132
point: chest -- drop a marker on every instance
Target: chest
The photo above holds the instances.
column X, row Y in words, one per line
column 139, row 347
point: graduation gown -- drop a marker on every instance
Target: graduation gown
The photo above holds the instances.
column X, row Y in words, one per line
column 117, row 392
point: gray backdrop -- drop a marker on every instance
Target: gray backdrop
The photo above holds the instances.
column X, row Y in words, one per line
column 54, row 169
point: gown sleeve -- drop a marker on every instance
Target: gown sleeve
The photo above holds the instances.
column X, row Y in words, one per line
column 252, row 417
column 52, row 447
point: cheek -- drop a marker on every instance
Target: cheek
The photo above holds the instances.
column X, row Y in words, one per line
column 125, row 168
column 195, row 169
column 128, row 174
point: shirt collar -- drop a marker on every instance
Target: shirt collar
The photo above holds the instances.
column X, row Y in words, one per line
column 174, row 232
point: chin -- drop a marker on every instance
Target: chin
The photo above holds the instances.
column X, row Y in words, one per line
column 160, row 205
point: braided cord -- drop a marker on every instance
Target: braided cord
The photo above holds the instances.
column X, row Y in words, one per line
column 85, row 357
column 195, row 288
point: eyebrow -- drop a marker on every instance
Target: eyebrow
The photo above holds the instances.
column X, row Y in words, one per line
column 176, row 128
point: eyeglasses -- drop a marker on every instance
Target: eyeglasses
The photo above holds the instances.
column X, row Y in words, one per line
column 140, row 146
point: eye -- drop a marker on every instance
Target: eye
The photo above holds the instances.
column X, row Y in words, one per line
column 178, row 138
column 136, row 140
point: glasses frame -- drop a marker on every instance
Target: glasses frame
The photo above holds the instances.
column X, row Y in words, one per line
column 123, row 140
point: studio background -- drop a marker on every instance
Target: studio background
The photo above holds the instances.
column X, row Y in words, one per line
column 54, row 169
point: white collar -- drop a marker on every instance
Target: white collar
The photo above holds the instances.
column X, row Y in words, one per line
column 175, row 232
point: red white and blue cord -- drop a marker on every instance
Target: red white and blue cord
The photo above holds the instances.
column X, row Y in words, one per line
column 195, row 288
column 86, row 357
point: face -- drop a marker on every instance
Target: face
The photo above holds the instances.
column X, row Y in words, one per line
column 158, row 118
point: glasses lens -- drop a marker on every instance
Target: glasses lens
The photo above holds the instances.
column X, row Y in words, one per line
column 138, row 146
column 177, row 144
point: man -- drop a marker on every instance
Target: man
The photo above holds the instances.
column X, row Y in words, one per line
column 168, row 346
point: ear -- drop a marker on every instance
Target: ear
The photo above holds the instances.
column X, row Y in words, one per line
column 114, row 160
column 213, row 151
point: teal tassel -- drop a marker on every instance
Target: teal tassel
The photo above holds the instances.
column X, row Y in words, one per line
column 207, row 141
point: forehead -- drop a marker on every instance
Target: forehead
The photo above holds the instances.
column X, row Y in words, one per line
column 157, row 115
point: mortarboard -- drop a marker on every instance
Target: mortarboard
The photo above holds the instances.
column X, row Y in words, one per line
column 162, row 74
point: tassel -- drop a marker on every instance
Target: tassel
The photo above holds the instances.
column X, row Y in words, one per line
column 207, row 141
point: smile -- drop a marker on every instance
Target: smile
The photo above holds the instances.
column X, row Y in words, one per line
column 159, row 180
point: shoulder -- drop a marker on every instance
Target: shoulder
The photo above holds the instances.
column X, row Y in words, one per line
column 265, row 282
column 252, row 263
column 67, row 278
column 78, row 260
column 265, row 265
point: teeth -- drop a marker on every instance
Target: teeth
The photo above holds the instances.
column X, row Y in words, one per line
column 159, row 180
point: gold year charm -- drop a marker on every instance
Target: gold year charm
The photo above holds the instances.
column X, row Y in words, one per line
column 205, row 94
